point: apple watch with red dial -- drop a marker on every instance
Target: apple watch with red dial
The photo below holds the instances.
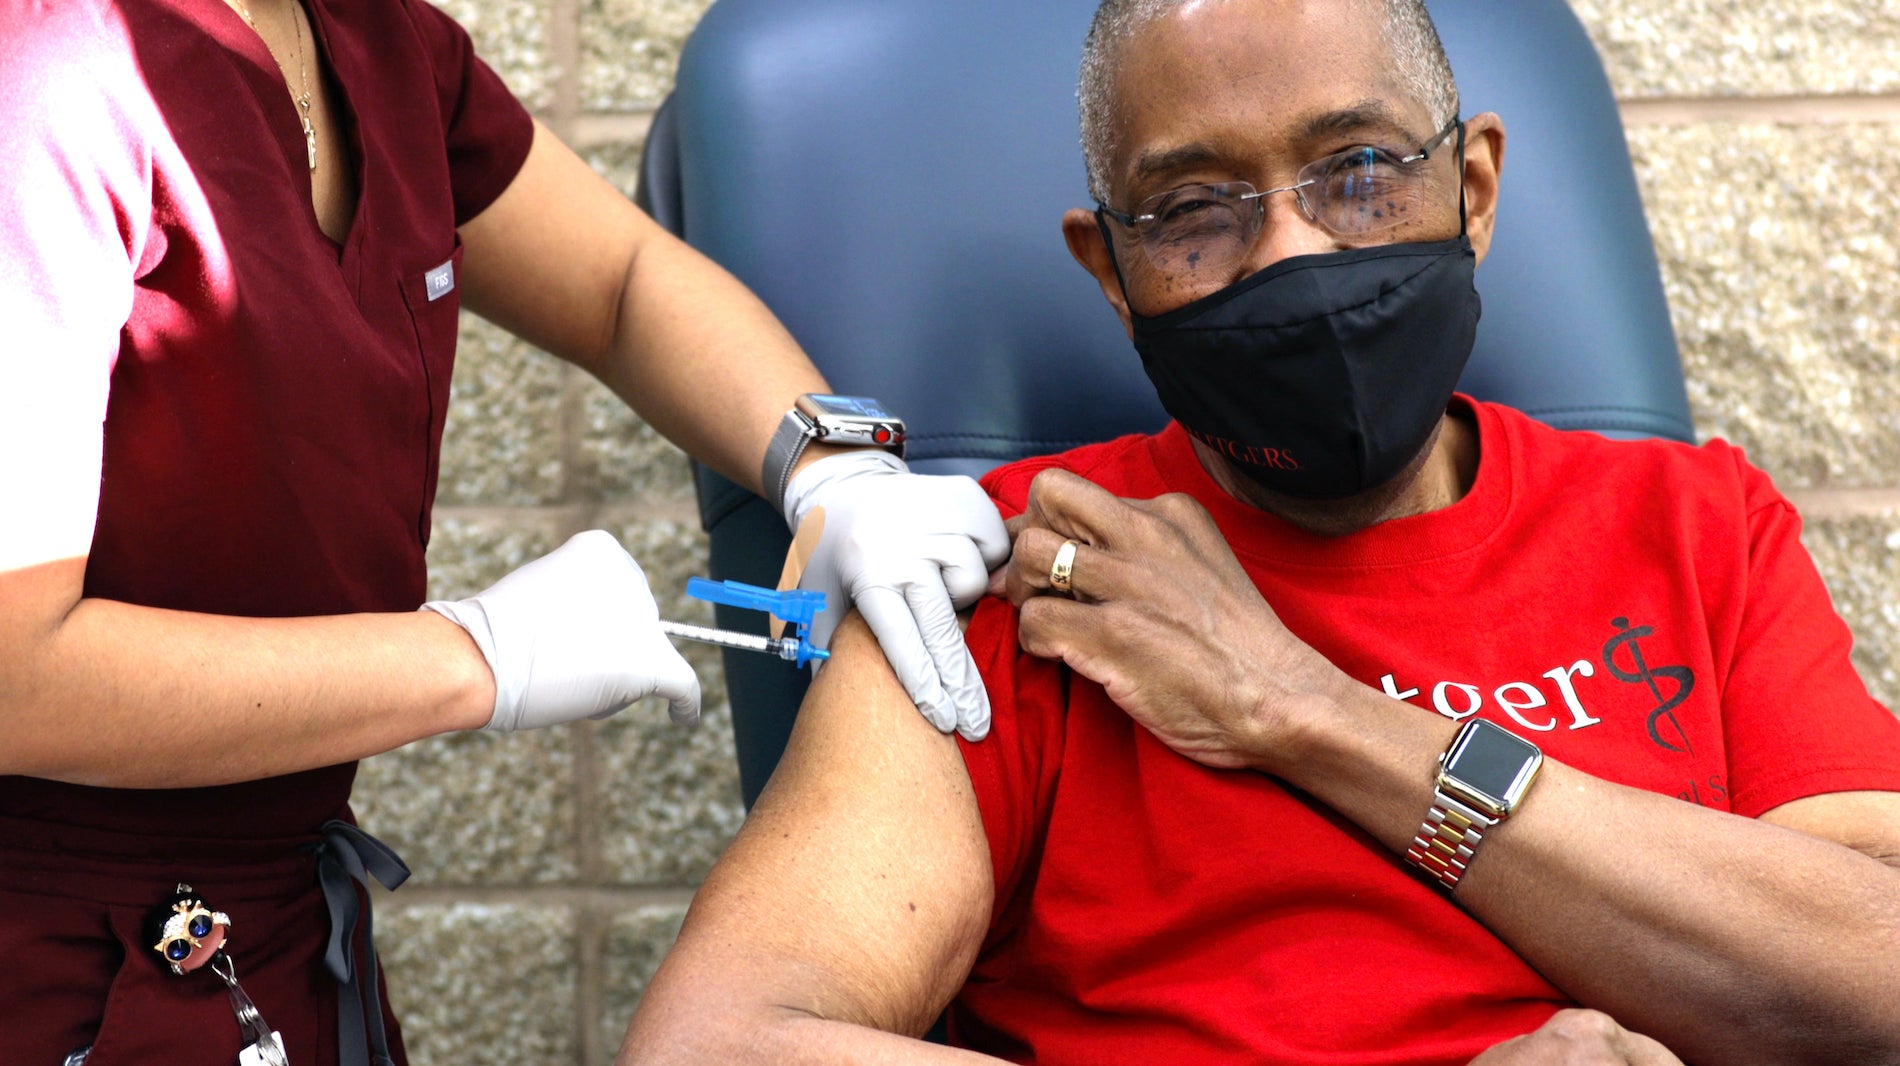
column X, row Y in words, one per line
column 851, row 421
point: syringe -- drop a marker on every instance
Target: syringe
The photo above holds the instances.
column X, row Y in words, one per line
column 795, row 607
column 786, row 648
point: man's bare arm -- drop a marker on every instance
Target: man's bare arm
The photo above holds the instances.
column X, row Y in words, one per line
column 849, row 910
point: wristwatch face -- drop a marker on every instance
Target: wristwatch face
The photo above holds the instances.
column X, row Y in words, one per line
column 863, row 407
column 1492, row 764
column 852, row 420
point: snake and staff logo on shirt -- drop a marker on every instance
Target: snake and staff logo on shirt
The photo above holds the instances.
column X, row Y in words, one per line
column 1554, row 698
column 1674, row 738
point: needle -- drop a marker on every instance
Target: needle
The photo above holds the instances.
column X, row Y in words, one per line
column 784, row 647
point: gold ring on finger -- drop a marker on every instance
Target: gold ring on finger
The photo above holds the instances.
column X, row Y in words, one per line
column 1062, row 571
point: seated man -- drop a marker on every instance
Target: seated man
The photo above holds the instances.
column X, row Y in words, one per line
column 1209, row 823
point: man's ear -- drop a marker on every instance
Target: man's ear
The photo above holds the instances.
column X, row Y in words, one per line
column 1084, row 236
column 1484, row 160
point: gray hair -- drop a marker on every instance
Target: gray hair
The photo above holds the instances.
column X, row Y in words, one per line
column 1418, row 63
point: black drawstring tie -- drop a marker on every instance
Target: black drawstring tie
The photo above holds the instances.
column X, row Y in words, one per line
column 348, row 857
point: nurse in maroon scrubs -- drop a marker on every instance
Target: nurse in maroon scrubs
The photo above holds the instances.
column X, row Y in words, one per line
column 234, row 239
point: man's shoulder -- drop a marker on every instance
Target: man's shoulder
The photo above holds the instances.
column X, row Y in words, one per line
column 1114, row 464
column 1571, row 462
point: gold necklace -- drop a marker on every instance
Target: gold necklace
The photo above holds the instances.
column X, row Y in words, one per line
column 303, row 79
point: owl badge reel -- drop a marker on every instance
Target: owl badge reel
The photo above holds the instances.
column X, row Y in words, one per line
column 188, row 936
column 186, row 933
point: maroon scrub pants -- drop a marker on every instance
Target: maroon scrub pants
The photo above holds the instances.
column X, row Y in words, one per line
column 75, row 972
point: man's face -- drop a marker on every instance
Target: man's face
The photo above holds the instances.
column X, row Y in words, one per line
column 1254, row 91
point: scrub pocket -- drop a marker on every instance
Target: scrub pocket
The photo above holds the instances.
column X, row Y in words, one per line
column 143, row 1014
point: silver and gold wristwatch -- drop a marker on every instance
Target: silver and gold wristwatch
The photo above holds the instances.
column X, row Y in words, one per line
column 1482, row 779
column 852, row 421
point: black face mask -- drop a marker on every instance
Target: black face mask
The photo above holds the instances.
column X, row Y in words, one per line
column 1321, row 376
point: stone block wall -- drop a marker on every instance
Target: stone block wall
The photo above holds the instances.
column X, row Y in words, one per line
column 552, row 869
column 1763, row 137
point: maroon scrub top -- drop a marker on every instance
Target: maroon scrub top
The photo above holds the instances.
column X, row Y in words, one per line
column 270, row 448
column 277, row 403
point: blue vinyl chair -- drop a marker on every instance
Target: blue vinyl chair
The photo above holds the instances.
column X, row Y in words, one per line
column 889, row 175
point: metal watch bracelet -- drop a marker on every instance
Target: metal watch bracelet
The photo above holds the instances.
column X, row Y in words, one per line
column 1447, row 840
column 781, row 456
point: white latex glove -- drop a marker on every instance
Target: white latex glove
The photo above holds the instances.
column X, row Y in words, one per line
column 908, row 550
column 571, row 635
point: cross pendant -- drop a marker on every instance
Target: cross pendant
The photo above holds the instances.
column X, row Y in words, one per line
column 309, row 140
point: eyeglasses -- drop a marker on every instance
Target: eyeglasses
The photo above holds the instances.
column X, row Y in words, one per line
column 1351, row 194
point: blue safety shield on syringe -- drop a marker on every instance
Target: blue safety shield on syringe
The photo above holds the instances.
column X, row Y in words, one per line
column 796, row 606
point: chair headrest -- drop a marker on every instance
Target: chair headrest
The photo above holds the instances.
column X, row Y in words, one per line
column 890, row 175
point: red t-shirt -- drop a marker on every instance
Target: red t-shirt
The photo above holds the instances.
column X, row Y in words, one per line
column 1149, row 909
column 272, row 403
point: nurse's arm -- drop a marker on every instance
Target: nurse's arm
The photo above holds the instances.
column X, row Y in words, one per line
column 565, row 261
column 850, row 908
column 98, row 692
